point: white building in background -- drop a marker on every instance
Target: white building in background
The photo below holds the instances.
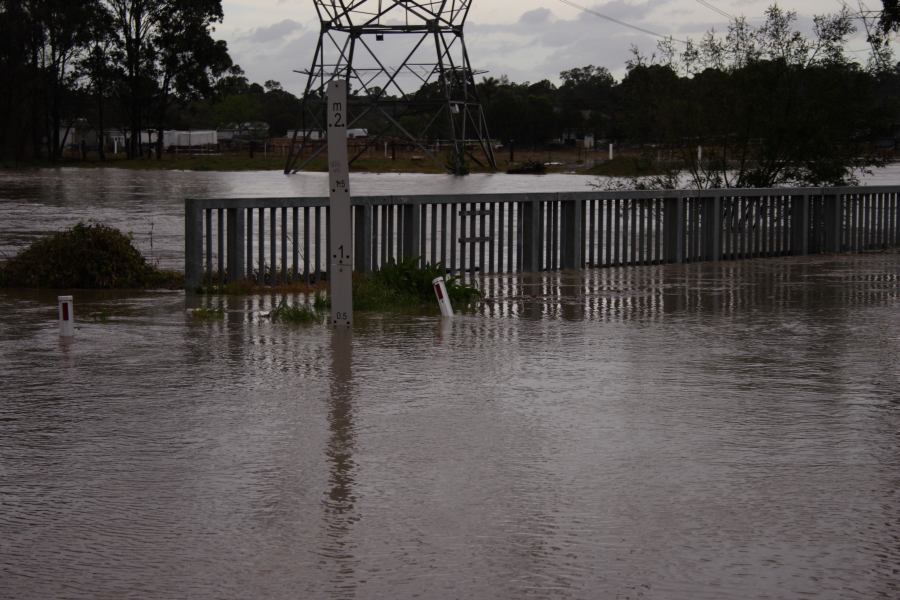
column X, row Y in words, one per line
column 189, row 139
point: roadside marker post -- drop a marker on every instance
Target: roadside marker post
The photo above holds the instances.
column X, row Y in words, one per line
column 443, row 298
column 66, row 317
column 340, row 271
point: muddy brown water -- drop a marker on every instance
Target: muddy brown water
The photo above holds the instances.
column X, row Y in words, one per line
column 709, row 431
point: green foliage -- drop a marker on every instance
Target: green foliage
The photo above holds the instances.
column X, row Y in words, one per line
column 406, row 284
column 299, row 314
column 91, row 256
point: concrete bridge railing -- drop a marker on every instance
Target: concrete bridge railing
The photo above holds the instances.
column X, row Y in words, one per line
column 279, row 240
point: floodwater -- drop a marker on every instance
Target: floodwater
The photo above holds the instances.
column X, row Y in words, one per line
column 706, row 431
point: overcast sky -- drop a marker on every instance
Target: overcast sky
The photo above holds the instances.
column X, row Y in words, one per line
column 527, row 40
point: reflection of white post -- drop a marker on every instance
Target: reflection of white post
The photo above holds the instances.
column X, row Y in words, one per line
column 66, row 317
column 340, row 271
column 443, row 298
column 611, row 152
column 699, row 154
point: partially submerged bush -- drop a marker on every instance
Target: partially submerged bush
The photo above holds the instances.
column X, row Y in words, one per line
column 406, row 284
column 295, row 313
column 87, row 256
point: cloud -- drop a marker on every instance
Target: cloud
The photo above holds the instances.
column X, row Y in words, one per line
column 275, row 32
column 538, row 16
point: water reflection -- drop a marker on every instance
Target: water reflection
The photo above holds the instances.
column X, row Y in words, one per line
column 695, row 431
column 339, row 502
column 650, row 293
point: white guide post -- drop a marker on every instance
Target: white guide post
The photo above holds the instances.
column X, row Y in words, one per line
column 340, row 271
column 66, row 317
column 443, row 298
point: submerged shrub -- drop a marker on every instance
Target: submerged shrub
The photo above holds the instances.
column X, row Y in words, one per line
column 294, row 313
column 90, row 256
column 406, row 283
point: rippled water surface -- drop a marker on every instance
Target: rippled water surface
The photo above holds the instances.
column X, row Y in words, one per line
column 678, row 432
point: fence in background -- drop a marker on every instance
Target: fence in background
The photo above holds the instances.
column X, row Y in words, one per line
column 280, row 240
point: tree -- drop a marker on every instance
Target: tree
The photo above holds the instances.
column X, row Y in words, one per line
column 769, row 105
column 161, row 46
column 890, row 16
column 585, row 98
column 97, row 68
column 188, row 58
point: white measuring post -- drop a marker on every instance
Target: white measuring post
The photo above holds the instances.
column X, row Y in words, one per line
column 66, row 317
column 340, row 271
column 443, row 298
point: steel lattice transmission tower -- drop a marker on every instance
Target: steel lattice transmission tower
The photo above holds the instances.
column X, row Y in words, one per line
column 409, row 76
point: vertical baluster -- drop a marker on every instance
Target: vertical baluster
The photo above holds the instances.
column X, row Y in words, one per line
column 307, row 257
column 261, row 250
column 491, row 236
column 858, row 212
column 610, row 240
column 317, row 238
column 326, row 234
column 392, row 233
column 551, row 235
column 445, row 235
column 207, row 216
column 617, row 227
column 482, row 235
column 284, row 244
column 660, row 228
column 434, row 233
column 382, row 237
column 273, row 246
column 451, row 210
column 220, row 246
column 641, row 232
column 501, row 246
column 511, row 237
column 424, row 211
column 249, row 255
column 295, row 250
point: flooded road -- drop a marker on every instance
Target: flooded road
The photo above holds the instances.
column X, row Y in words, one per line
column 713, row 431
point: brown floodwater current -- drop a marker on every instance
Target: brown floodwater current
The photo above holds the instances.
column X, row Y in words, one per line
column 715, row 431
column 709, row 431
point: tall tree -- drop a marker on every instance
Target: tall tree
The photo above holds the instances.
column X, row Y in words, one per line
column 97, row 67
column 188, row 58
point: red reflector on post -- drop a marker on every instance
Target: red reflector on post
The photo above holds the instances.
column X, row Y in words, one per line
column 439, row 292
column 65, row 310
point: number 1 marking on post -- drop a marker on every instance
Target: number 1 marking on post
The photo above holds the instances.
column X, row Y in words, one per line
column 340, row 272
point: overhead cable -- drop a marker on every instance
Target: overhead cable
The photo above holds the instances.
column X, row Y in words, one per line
column 715, row 8
column 619, row 22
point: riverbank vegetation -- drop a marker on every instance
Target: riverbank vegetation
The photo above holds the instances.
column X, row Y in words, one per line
column 765, row 104
column 87, row 256
column 398, row 286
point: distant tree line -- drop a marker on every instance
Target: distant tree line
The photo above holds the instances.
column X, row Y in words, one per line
column 767, row 104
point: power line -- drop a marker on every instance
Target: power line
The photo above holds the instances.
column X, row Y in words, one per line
column 618, row 22
column 715, row 8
